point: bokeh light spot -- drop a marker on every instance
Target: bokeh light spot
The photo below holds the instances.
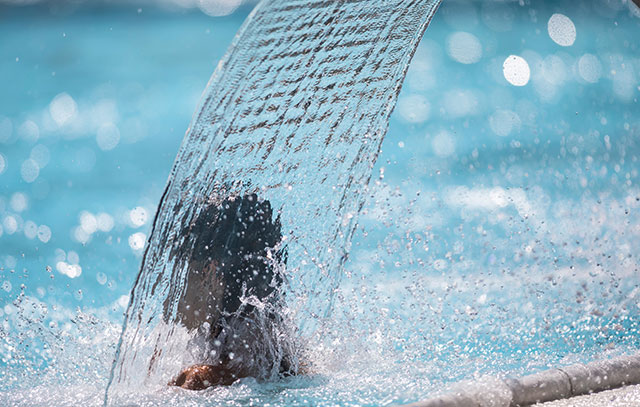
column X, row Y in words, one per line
column 29, row 131
column 108, row 137
column 589, row 68
column 503, row 122
column 19, row 202
column 516, row 70
column 105, row 222
column 63, row 109
column 414, row 108
column 30, row 229
column 443, row 144
column 44, row 233
column 136, row 241
column 40, row 154
column 561, row 30
column 6, row 129
column 29, row 170
column 216, row 8
column 464, row 47
column 101, row 278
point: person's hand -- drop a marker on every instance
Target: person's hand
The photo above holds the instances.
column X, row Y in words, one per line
column 199, row 377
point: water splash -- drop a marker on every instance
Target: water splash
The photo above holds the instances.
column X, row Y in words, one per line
column 295, row 113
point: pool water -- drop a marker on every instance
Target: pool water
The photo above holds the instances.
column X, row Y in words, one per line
column 500, row 232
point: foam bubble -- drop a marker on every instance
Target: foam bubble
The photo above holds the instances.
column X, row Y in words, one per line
column 3, row 164
column 516, row 70
column 464, row 47
column 63, row 109
column 561, row 30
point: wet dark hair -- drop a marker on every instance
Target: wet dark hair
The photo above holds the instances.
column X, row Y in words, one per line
column 237, row 236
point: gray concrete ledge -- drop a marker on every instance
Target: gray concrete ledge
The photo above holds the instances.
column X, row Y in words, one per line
column 554, row 384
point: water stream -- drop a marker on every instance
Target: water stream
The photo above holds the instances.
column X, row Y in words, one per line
column 295, row 113
column 499, row 232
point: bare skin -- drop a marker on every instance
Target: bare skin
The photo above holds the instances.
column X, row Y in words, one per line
column 230, row 245
column 200, row 377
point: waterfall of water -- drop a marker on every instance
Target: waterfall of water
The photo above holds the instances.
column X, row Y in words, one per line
column 295, row 113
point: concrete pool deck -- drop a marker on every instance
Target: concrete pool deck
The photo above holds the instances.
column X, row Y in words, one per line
column 628, row 396
column 580, row 383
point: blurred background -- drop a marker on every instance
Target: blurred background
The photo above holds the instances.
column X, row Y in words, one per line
column 501, row 231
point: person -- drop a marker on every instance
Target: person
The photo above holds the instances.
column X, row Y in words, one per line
column 232, row 300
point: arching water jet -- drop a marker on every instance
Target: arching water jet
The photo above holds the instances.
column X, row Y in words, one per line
column 295, row 113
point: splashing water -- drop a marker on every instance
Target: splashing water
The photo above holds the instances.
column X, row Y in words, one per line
column 295, row 113
column 498, row 236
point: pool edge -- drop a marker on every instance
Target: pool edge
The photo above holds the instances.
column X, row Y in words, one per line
column 549, row 385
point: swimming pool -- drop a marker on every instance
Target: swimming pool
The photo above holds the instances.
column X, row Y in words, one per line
column 499, row 236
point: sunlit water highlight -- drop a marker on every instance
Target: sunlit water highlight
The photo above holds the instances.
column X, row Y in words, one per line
column 499, row 236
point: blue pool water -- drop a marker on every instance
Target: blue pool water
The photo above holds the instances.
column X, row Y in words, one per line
column 499, row 237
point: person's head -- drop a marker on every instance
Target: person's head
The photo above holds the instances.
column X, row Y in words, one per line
column 230, row 245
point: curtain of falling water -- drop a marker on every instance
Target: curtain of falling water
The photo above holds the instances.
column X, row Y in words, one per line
column 295, row 112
